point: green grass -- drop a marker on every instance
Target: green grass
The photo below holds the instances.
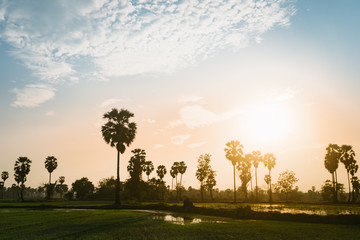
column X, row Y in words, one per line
column 123, row 224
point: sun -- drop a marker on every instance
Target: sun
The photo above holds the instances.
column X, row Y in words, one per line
column 269, row 122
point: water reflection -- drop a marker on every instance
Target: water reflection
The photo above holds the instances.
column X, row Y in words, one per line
column 182, row 220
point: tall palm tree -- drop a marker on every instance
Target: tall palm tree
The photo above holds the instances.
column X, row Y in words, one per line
column 353, row 169
column 148, row 168
column 173, row 175
column 21, row 168
column 119, row 132
column 161, row 171
column 347, row 158
column 175, row 168
column 4, row 176
column 256, row 159
column 50, row 165
column 234, row 153
column 269, row 162
column 331, row 163
column 182, row 169
column 61, row 181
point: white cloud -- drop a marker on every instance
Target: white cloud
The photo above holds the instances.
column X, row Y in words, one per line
column 111, row 102
column 196, row 116
column 32, row 95
column 50, row 113
column 157, row 146
column 285, row 95
column 66, row 40
column 195, row 145
column 189, row 99
column 179, row 139
column 151, row 121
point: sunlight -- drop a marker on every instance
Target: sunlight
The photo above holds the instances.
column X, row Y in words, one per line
column 269, row 122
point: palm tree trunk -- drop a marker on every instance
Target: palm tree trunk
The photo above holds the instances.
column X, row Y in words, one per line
column 180, row 189
column 201, row 190
column 117, row 188
column 256, row 187
column 234, row 185
column 22, row 192
column 334, row 187
column 49, row 178
column 270, row 193
column 172, row 184
column 349, row 186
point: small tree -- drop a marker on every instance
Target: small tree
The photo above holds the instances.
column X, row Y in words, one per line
column 202, row 172
column 50, row 165
column 244, row 167
column 22, row 169
column 4, row 176
column 347, row 157
column 211, row 182
column 83, row 188
column 61, row 188
column 161, row 171
column 327, row 190
column 182, row 169
column 331, row 163
column 286, row 183
column 135, row 167
column 175, row 170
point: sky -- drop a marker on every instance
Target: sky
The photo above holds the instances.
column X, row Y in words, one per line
column 280, row 76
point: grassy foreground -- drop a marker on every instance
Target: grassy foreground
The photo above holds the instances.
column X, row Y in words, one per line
column 124, row 224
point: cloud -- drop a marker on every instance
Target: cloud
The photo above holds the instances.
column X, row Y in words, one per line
column 63, row 40
column 111, row 102
column 195, row 145
column 179, row 139
column 157, row 146
column 50, row 113
column 33, row 95
column 189, row 99
column 151, row 121
column 196, row 116
column 285, row 95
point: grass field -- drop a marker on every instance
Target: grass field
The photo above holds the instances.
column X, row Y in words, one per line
column 125, row 224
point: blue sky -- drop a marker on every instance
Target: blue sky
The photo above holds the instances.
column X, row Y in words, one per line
column 192, row 72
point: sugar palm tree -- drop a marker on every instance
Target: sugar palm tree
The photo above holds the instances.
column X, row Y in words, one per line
column 347, row 158
column 256, row 159
column 182, row 169
column 119, row 132
column 234, row 153
column 148, row 168
column 161, row 171
column 50, row 165
column 21, row 168
column 269, row 162
column 4, row 176
column 331, row 163
column 173, row 175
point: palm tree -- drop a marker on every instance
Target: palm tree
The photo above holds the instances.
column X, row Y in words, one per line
column 148, row 168
column 161, row 171
column 234, row 153
column 269, row 162
column 331, row 164
column 347, row 158
column 21, row 168
column 244, row 167
column 4, row 176
column 256, row 159
column 353, row 169
column 182, row 169
column 173, row 175
column 119, row 133
column 50, row 165
column 175, row 168
column 203, row 170
column 61, row 181
column 211, row 182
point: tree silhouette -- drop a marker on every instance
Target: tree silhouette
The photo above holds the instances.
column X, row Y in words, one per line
column 4, row 176
column 22, row 169
column 202, row 171
column 83, row 188
column 211, row 182
column 286, row 182
column 175, row 170
column 50, row 165
column 234, row 153
column 269, row 162
column 173, row 175
column 161, row 171
column 347, row 157
column 353, row 168
column 61, row 188
column 148, row 168
column 256, row 159
column 182, row 169
column 331, row 164
column 119, row 132
column 244, row 166
column 136, row 164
